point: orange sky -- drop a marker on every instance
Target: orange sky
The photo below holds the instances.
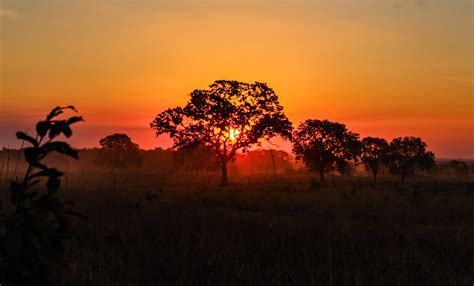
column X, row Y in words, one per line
column 384, row 68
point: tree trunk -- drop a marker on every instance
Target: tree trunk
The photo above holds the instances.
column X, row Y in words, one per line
column 224, row 179
column 375, row 176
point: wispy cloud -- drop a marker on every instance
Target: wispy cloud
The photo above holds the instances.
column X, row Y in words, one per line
column 8, row 13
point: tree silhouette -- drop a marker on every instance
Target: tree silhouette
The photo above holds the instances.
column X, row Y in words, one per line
column 227, row 117
column 408, row 154
column 325, row 146
column 460, row 168
column 118, row 151
column 374, row 154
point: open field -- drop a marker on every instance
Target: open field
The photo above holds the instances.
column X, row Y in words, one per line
column 263, row 231
column 169, row 227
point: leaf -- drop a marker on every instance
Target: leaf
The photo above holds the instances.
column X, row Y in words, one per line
column 25, row 137
column 42, row 128
column 55, row 112
column 60, row 127
column 74, row 119
column 55, row 130
column 32, row 156
column 71, row 107
column 67, row 131
column 60, row 147
column 59, row 110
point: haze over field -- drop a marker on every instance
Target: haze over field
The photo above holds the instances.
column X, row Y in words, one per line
column 384, row 68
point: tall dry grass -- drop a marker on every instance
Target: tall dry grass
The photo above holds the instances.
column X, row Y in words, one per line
column 156, row 228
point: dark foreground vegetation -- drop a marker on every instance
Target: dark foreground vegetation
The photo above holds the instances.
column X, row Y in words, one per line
column 262, row 230
column 274, row 233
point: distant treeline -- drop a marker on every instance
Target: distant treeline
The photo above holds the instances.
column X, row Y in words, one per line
column 200, row 162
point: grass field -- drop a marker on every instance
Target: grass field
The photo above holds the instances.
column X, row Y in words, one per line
column 146, row 229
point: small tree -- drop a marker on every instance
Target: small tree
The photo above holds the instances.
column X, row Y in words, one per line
column 33, row 233
column 118, row 151
column 408, row 154
column 324, row 146
column 374, row 154
column 228, row 117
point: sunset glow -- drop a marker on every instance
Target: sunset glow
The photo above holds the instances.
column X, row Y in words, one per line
column 234, row 134
column 384, row 68
column 236, row 142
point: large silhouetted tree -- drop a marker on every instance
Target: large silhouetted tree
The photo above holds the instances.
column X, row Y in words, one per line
column 227, row 117
column 118, row 151
column 374, row 154
column 408, row 154
column 325, row 146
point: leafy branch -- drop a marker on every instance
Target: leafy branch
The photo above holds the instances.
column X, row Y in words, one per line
column 32, row 237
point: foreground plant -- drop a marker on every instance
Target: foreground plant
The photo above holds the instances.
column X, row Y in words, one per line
column 33, row 234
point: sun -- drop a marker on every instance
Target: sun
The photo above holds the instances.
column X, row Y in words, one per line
column 234, row 134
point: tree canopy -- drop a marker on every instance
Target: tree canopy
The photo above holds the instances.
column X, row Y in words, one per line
column 325, row 146
column 118, row 142
column 408, row 154
column 227, row 117
column 374, row 154
column 118, row 150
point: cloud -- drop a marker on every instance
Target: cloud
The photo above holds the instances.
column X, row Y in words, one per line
column 8, row 13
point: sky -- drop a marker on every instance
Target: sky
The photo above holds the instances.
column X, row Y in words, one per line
column 385, row 68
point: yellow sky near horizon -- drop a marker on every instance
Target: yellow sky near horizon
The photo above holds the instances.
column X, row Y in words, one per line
column 384, row 68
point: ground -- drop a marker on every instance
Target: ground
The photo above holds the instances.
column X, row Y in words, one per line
column 152, row 229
